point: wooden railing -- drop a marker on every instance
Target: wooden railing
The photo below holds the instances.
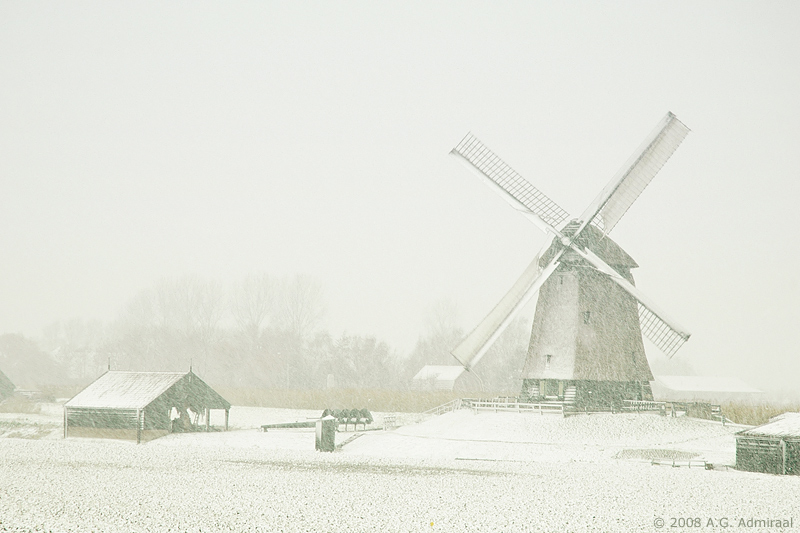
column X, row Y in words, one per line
column 675, row 463
column 389, row 421
column 502, row 404
column 448, row 407
column 644, row 405
column 512, row 405
column 697, row 409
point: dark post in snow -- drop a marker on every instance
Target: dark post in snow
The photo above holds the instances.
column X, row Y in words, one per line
column 326, row 434
column 783, row 457
column 138, row 426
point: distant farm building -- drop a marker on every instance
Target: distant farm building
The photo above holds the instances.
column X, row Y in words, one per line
column 442, row 378
column 6, row 387
column 703, row 389
column 772, row 448
column 142, row 406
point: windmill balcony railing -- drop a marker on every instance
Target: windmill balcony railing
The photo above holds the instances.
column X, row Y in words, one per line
column 644, row 405
column 512, row 405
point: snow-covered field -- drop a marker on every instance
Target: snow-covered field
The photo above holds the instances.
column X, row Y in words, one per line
column 456, row 472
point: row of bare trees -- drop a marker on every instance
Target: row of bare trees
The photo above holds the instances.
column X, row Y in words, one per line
column 262, row 332
column 253, row 328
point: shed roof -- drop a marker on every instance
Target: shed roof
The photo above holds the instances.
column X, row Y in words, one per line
column 134, row 390
column 6, row 387
column 705, row 384
column 440, row 372
column 788, row 426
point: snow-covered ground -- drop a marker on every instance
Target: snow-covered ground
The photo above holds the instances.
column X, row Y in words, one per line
column 456, row 472
column 550, row 438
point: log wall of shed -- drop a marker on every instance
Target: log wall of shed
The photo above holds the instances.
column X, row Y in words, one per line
column 766, row 455
column 101, row 418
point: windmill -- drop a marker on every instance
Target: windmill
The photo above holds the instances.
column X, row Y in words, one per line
column 586, row 341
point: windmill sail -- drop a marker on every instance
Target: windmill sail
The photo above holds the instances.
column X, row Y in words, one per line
column 664, row 336
column 513, row 187
column 475, row 345
column 626, row 186
column 603, row 213
column 665, row 333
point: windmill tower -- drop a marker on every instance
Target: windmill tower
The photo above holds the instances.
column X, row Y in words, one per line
column 586, row 342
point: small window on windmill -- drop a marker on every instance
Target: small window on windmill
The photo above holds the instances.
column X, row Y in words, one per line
column 586, row 316
column 547, row 359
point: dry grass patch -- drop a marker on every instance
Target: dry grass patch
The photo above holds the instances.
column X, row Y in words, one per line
column 380, row 400
column 754, row 414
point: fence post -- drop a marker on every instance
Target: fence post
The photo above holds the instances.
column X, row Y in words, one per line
column 783, row 456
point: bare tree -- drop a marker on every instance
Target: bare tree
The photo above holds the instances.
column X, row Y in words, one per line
column 252, row 303
column 301, row 306
column 167, row 327
column 209, row 306
column 442, row 334
column 443, row 320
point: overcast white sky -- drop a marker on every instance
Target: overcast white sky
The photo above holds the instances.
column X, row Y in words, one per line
column 143, row 140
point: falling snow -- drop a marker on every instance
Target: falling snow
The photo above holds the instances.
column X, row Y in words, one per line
column 460, row 472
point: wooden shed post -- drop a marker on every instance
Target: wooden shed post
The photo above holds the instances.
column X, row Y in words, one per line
column 783, row 456
column 227, row 412
column 208, row 418
column 138, row 426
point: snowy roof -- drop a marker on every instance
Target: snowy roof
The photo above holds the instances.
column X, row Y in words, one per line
column 439, row 372
column 784, row 415
column 6, row 387
column 705, row 384
column 131, row 390
column 788, row 426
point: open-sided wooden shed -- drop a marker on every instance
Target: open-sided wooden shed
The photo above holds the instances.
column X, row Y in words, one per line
column 142, row 406
column 772, row 448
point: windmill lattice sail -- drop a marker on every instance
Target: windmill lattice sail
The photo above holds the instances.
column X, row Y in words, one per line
column 664, row 332
column 509, row 181
column 667, row 339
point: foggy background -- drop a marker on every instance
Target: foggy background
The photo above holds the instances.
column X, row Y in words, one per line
column 157, row 154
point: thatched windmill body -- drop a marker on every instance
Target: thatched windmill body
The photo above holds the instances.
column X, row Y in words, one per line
column 586, row 342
